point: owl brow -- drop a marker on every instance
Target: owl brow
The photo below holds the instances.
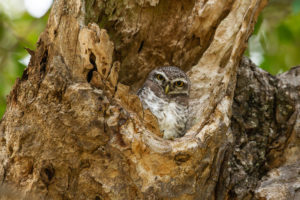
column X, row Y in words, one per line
column 179, row 79
column 160, row 73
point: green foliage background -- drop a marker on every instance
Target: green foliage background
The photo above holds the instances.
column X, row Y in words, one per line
column 277, row 36
column 15, row 35
column 274, row 46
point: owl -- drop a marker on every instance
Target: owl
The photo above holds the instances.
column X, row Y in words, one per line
column 166, row 93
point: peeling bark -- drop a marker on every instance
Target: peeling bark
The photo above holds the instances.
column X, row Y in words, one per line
column 74, row 129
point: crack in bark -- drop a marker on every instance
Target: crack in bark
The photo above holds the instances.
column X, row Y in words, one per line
column 93, row 62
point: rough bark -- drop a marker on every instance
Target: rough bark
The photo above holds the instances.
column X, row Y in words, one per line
column 74, row 129
column 265, row 127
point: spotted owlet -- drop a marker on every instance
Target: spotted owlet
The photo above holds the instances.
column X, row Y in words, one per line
column 166, row 93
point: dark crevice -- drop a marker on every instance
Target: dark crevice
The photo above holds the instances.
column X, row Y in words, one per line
column 103, row 71
column 25, row 75
column 93, row 62
column 43, row 62
column 141, row 46
column 114, row 11
column 4, row 174
column 55, row 33
column 47, row 174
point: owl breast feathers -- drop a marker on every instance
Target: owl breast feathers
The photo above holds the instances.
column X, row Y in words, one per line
column 166, row 93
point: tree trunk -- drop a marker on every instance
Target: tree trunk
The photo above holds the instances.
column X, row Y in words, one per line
column 74, row 128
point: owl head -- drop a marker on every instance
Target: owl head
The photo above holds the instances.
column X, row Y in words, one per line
column 171, row 81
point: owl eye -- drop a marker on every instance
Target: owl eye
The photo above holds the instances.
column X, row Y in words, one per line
column 160, row 77
column 179, row 83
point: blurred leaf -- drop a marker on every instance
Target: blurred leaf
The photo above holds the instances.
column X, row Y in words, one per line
column 279, row 37
column 296, row 6
column 258, row 24
column 284, row 33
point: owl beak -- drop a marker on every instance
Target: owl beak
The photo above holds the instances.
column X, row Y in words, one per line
column 167, row 88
